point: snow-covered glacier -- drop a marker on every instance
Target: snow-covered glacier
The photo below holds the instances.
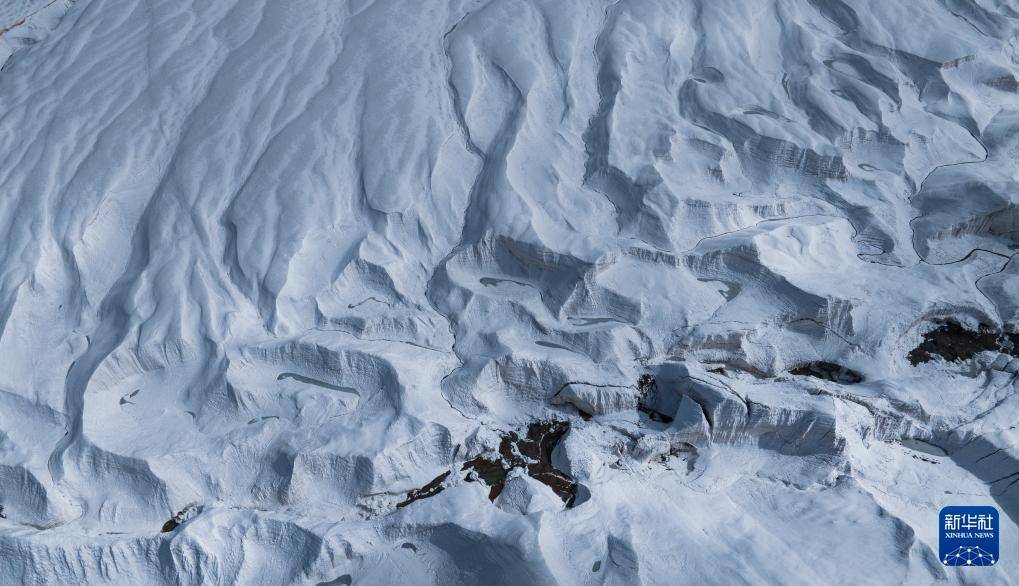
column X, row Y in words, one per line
column 506, row 291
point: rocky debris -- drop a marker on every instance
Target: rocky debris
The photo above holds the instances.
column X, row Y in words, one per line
column 681, row 452
column 647, row 388
column 2, row 515
column 532, row 453
column 954, row 342
column 434, row 487
column 647, row 384
column 664, row 449
column 188, row 512
column 828, row 371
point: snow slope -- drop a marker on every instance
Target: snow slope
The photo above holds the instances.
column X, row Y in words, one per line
column 270, row 269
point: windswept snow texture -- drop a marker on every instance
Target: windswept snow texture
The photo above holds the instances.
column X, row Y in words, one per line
column 293, row 291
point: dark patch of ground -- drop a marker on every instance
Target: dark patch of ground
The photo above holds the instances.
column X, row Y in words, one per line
column 828, row 371
column 490, row 471
column 533, row 453
column 647, row 386
column 177, row 519
column 683, row 451
column 431, row 489
column 954, row 342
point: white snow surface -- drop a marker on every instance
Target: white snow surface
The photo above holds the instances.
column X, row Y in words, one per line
column 274, row 264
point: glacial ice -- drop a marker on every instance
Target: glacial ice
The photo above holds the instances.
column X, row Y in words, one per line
column 274, row 273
